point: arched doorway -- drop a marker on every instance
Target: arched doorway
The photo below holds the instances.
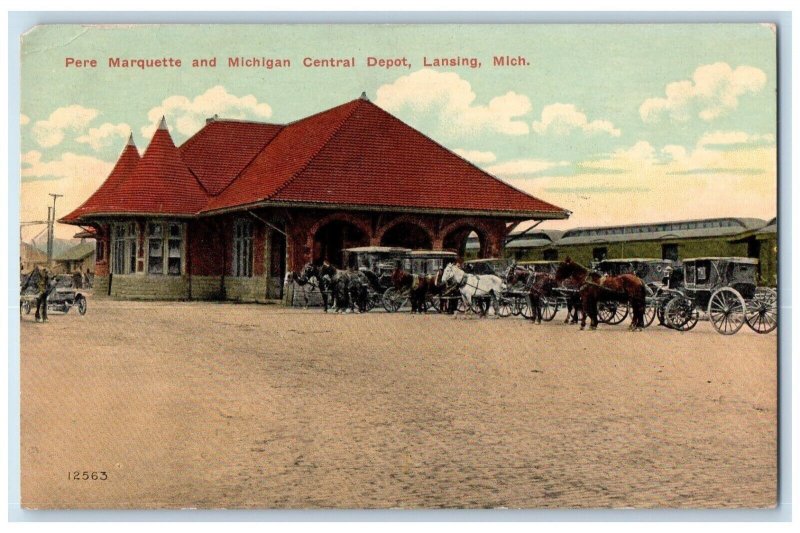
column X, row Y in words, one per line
column 333, row 237
column 407, row 235
column 466, row 241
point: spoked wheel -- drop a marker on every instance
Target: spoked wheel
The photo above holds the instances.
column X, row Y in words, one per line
column 549, row 308
column 726, row 310
column 525, row 309
column 762, row 310
column 24, row 307
column 612, row 313
column 462, row 306
column 433, row 303
column 393, row 300
column 517, row 303
column 505, row 306
column 649, row 313
column 680, row 314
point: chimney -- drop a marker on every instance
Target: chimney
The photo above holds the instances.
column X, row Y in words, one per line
column 209, row 120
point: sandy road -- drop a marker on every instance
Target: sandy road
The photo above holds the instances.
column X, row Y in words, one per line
column 223, row 406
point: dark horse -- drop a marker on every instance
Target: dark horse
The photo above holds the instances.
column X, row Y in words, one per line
column 417, row 285
column 346, row 289
column 538, row 285
column 595, row 288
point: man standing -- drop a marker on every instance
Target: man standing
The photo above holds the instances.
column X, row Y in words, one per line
column 43, row 288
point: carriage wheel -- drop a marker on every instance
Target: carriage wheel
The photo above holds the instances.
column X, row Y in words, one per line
column 726, row 310
column 504, row 307
column 549, row 308
column 433, row 302
column 762, row 311
column 393, row 300
column 525, row 309
column 25, row 307
column 462, row 306
column 516, row 307
column 612, row 313
column 680, row 314
column 649, row 313
column 81, row 302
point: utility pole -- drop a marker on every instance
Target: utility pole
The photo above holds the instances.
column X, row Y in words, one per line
column 51, row 221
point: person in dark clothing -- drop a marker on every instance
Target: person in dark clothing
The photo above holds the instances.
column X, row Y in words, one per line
column 44, row 287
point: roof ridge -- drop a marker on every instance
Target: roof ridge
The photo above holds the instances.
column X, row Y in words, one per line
column 327, row 141
column 470, row 163
column 246, row 166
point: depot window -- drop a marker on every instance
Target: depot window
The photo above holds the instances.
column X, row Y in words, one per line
column 243, row 248
column 164, row 248
column 125, row 236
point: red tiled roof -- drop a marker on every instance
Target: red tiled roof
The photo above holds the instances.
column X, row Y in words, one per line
column 354, row 154
column 99, row 200
column 218, row 152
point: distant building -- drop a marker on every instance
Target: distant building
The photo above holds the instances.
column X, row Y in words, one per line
column 30, row 257
column 79, row 258
column 676, row 240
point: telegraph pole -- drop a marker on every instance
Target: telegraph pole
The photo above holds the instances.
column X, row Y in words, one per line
column 51, row 221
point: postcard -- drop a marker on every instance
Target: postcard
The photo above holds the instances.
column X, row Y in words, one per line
column 371, row 266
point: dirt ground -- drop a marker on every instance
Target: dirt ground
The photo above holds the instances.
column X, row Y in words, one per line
column 246, row 406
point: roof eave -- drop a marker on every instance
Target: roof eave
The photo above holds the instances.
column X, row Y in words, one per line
column 516, row 215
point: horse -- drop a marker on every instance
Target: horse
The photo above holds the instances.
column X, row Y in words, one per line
column 596, row 288
column 471, row 285
column 418, row 287
column 313, row 272
column 538, row 285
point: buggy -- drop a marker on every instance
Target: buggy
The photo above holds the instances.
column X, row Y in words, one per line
column 724, row 291
column 650, row 270
column 377, row 263
column 422, row 263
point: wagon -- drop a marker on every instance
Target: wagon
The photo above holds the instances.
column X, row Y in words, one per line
column 423, row 263
column 724, row 291
column 650, row 270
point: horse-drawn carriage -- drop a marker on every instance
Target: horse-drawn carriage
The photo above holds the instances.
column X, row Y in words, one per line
column 722, row 290
column 421, row 263
column 377, row 263
column 650, row 270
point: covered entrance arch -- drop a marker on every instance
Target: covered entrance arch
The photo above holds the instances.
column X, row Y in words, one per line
column 407, row 235
column 456, row 240
column 333, row 237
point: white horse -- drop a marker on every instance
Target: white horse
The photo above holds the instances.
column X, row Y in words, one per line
column 471, row 285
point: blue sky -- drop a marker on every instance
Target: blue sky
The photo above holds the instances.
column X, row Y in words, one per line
column 618, row 123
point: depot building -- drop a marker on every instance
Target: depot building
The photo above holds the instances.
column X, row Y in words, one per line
column 230, row 211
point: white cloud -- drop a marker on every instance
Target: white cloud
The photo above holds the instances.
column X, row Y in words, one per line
column 50, row 132
column 451, row 99
column 563, row 119
column 713, row 91
column 69, row 165
column 734, row 138
column 641, row 151
column 105, row 135
column 524, row 166
column 187, row 116
column 476, row 156
column 24, row 119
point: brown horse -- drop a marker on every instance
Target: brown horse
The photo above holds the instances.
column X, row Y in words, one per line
column 538, row 285
column 418, row 287
column 596, row 288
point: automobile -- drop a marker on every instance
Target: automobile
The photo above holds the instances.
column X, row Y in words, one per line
column 62, row 298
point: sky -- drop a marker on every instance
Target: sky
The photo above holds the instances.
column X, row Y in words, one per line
column 616, row 123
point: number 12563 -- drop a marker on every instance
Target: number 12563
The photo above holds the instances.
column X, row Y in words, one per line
column 77, row 475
